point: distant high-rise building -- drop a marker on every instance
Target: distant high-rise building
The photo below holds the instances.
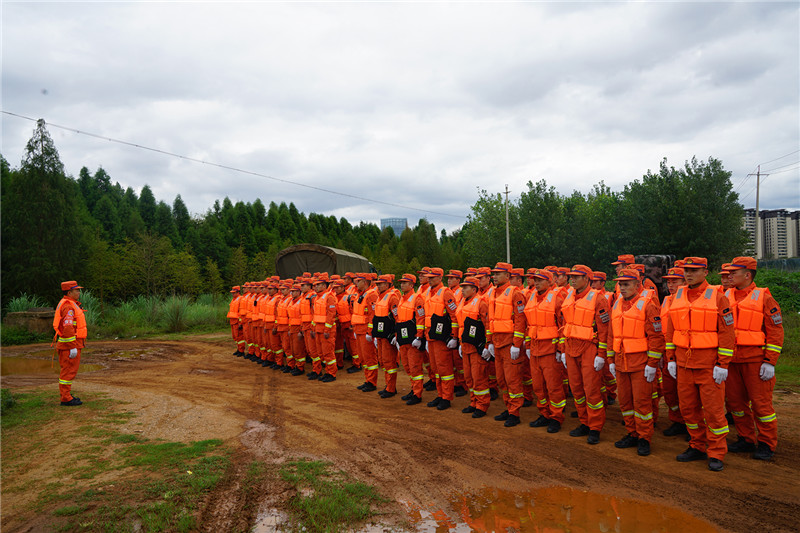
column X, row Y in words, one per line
column 779, row 233
column 793, row 235
column 749, row 222
column 397, row 224
column 773, row 229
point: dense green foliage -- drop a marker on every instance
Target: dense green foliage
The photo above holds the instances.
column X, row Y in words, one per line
column 686, row 211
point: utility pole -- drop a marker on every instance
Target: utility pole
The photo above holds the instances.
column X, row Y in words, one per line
column 508, row 240
column 758, row 213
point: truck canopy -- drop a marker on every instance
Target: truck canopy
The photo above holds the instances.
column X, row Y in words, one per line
column 293, row 261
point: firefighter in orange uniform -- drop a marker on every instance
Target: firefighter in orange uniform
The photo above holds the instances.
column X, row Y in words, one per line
column 324, row 323
column 363, row 309
column 344, row 330
column 270, row 321
column 586, row 325
column 259, row 305
column 609, row 381
column 562, row 285
column 599, row 282
column 410, row 331
column 296, row 331
column 725, row 277
column 647, row 283
column 282, row 328
column 69, row 324
column 669, row 387
column 442, row 331
column 517, row 280
column 751, row 374
column 473, row 322
column 383, row 333
column 307, row 297
column 233, row 320
column 700, row 341
column 453, row 283
column 429, row 364
column 244, row 305
column 505, row 339
column 486, row 290
column 637, row 346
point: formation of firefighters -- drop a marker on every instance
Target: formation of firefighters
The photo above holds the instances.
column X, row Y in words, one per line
column 705, row 349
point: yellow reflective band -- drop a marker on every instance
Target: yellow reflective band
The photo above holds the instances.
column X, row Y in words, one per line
column 528, row 382
column 420, row 327
column 737, row 413
column 725, row 351
column 719, row 431
column 527, row 339
column 603, row 388
column 627, row 413
column 417, row 378
column 519, row 335
column 654, row 355
column 648, row 416
column 488, row 332
column 562, row 339
column 562, row 404
column 602, row 345
column 279, row 352
column 670, row 346
column 565, row 381
column 674, row 407
column 339, row 351
column 64, row 382
column 481, row 392
column 543, row 401
column 768, row 418
column 611, row 353
column 303, row 360
column 454, row 324
column 579, row 401
column 289, row 357
column 655, row 395
column 595, row 406
column 67, row 339
column 392, row 371
column 315, row 359
column 692, row 426
column 518, row 395
column 460, row 371
column 492, row 377
column 448, row 378
column 774, row 348
column 373, row 367
column 437, row 376
column 612, row 382
column 328, row 325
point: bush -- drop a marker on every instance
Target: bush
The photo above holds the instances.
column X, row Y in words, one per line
column 11, row 335
column 6, row 401
column 91, row 308
column 23, row 302
column 173, row 313
column 784, row 286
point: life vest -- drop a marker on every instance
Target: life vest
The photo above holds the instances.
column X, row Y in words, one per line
column 434, row 305
column 579, row 315
column 80, row 321
column 321, row 309
column 695, row 324
column 501, row 311
column 407, row 307
column 665, row 305
column 269, row 311
column 406, row 327
column 748, row 314
column 233, row 308
column 541, row 316
column 457, row 295
column 629, row 326
column 383, row 325
column 283, row 313
column 473, row 330
column 293, row 310
column 343, row 307
column 382, row 305
column 258, row 307
column 305, row 306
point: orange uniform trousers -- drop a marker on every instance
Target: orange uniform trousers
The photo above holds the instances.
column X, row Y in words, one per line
column 286, row 346
column 586, row 384
column 69, row 369
column 748, row 395
column 445, row 369
column 387, row 357
column 702, row 404
column 636, row 403
column 344, row 337
column 311, row 348
column 527, row 378
column 547, row 385
column 458, row 363
column 609, row 387
column 412, row 362
column 429, row 363
column 298, row 347
column 369, row 358
column 326, row 348
column 509, row 377
column 476, row 375
column 238, row 335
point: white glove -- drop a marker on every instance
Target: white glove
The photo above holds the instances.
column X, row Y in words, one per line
column 375, row 342
column 486, row 354
column 613, row 369
column 491, row 349
column 300, row 335
column 73, row 353
column 650, row 373
column 369, row 337
column 720, row 375
column 461, row 355
column 394, row 341
column 416, row 343
column 528, row 352
column 767, row 372
column 672, row 368
column 564, row 360
column 514, row 353
column 452, row 344
column 598, row 363
column 559, row 357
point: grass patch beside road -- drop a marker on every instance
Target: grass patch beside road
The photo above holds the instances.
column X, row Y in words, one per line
column 79, row 472
column 787, row 372
column 327, row 500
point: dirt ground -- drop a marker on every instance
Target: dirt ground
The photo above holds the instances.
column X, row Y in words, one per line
column 195, row 389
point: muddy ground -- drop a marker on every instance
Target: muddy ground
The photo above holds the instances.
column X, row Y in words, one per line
column 193, row 389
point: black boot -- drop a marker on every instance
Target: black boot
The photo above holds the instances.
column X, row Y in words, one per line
column 459, row 391
column 443, row 404
column 434, row 402
column 675, row 429
column 502, row 416
column 512, row 421
column 353, row 369
column 413, row 400
column 429, row 385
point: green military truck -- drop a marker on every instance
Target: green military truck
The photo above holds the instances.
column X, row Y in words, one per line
column 294, row 260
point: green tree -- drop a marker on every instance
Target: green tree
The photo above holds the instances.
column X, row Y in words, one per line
column 213, row 278
column 182, row 220
column 237, row 267
column 105, row 212
column 184, row 273
column 147, row 207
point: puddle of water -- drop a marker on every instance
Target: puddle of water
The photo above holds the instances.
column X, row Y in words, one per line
column 269, row 521
column 553, row 509
column 23, row 365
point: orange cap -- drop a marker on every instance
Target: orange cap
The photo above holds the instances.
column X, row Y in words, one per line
column 674, row 273
column 624, row 259
column 564, row 270
column 545, row 274
column 579, row 270
column 518, row 272
column 436, row 271
column 425, row 271
column 349, row 275
column 408, row 277
column 503, row 267
column 695, row 262
column 599, row 276
column 472, row 281
column 471, row 271
column 531, row 272
column 627, row 274
column 235, row 288
column 743, row 262
column 679, row 263
column 483, row 271
column 386, row 278
column 455, row 274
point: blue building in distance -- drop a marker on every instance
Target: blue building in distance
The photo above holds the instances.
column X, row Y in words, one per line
column 397, row 224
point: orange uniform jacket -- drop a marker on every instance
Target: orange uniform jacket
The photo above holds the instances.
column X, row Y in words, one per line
column 67, row 319
column 325, row 303
column 653, row 330
column 366, row 302
column 772, row 327
column 602, row 323
column 545, row 346
column 703, row 357
column 450, row 306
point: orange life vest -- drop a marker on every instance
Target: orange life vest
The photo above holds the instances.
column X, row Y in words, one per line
column 434, row 305
column 343, row 307
column 501, row 311
column 80, row 321
column 269, row 310
column 293, row 310
column 748, row 316
column 382, row 305
column 468, row 309
column 541, row 316
column 233, row 308
column 305, row 307
column 407, row 307
column 579, row 315
column 359, row 316
column 321, row 309
column 695, row 324
column 283, row 312
column 629, row 326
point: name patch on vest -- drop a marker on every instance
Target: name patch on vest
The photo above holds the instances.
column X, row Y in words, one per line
column 727, row 316
column 452, row 306
column 777, row 319
column 520, row 308
column 604, row 316
column 473, row 331
column 421, row 311
column 657, row 324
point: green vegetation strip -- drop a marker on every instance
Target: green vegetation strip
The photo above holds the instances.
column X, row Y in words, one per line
column 327, row 500
column 158, row 485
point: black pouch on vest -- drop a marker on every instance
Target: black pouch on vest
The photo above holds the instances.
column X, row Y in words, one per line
column 382, row 327
column 474, row 333
column 441, row 327
column 406, row 332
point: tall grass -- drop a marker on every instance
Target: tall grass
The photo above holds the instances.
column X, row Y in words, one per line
column 173, row 313
column 91, row 308
column 23, row 302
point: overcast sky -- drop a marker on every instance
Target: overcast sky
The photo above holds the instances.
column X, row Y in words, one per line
column 417, row 104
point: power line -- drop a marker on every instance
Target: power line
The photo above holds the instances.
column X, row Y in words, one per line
column 235, row 169
column 783, row 166
column 788, row 169
column 781, row 157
